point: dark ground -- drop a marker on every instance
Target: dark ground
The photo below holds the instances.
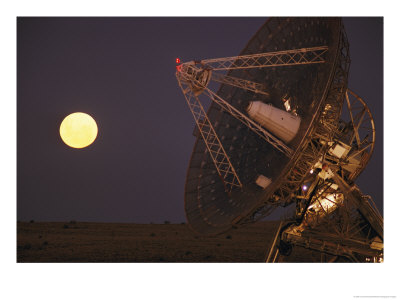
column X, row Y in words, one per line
column 118, row 242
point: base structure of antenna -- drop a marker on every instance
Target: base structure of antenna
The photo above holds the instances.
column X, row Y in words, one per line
column 333, row 216
column 347, row 234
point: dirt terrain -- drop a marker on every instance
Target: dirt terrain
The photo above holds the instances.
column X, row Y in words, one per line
column 118, row 242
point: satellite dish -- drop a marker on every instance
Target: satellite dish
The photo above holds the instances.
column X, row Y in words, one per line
column 274, row 134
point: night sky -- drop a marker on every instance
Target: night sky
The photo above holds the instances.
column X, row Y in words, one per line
column 121, row 72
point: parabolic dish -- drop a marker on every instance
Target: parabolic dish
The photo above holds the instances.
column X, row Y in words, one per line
column 209, row 209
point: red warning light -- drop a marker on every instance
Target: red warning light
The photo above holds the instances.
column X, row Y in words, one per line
column 178, row 60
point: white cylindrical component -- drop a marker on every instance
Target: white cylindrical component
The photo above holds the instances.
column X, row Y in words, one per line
column 263, row 181
column 279, row 122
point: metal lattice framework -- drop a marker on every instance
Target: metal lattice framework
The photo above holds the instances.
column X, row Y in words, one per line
column 311, row 83
column 271, row 59
column 333, row 216
column 195, row 79
column 217, row 152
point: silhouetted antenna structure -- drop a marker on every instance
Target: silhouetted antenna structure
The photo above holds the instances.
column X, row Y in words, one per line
column 283, row 129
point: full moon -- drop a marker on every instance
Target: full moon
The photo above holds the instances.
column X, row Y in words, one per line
column 78, row 130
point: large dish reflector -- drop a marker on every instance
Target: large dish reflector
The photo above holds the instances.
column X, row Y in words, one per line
column 209, row 209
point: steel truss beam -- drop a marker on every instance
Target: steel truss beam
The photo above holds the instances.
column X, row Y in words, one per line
column 269, row 59
column 262, row 60
column 240, row 83
column 214, row 146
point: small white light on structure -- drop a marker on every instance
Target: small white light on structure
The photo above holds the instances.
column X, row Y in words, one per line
column 311, row 171
column 263, row 181
column 304, row 187
column 287, row 105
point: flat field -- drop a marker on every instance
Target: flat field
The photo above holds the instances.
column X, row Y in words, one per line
column 122, row 242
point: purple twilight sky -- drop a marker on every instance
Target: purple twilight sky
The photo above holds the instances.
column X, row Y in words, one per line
column 121, row 72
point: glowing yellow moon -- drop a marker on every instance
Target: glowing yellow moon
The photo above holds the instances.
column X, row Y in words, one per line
column 78, row 130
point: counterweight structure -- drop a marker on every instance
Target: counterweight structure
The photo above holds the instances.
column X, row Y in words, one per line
column 283, row 129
